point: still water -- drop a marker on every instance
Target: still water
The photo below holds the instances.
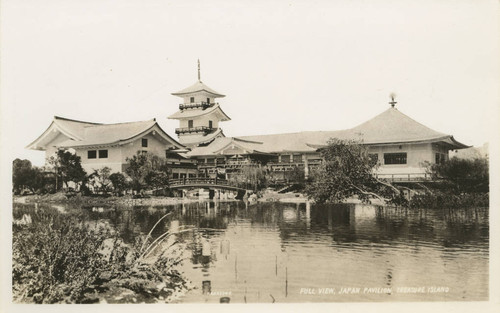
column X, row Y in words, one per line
column 276, row 252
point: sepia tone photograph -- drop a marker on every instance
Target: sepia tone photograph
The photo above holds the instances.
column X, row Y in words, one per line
column 293, row 154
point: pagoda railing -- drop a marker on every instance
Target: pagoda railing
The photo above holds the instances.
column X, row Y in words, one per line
column 203, row 105
column 197, row 129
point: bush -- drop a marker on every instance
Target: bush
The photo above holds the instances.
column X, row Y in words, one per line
column 59, row 258
column 441, row 200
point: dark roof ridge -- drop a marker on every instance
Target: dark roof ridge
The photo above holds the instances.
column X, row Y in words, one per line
column 72, row 120
column 121, row 123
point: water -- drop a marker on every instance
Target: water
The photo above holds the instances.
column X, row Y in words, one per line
column 306, row 253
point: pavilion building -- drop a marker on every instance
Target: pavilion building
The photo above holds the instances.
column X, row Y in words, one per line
column 109, row 145
column 401, row 145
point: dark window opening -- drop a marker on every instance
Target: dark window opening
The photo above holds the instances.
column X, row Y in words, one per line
column 191, row 100
column 297, row 158
column 103, row 154
column 210, row 124
column 285, row 159
column 221, row 161
column 144, row 142
column 190, row 124
column 91, row 154
column 395, row 158
column 208, row 100
column 175, row 175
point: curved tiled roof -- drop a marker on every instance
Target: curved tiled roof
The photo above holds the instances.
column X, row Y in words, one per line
column 197, row 87
column 196, row 112
column 81, row 133
column 201, row 139
column 391, row 126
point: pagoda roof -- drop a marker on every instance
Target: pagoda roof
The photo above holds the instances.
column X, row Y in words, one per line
column 80, row 133
column 197, row 87
column 189, row 113
column 193, row 140
column 389, row 127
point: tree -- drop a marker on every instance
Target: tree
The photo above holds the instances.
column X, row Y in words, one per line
column 463, row 175
column 99, row 179
column 249, row 177
column 346, row 171
column 147, row 170
column 21, row 174
column 26, row 176
column 119, row 182
column 67, row 167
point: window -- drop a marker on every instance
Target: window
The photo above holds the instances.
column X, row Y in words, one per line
column 440, row 158
column 91, row 154
column 103, row 154
column 210, row 125
column 285, row 159
column 144, row 142
column 221, row 161
column 190, row 124
column 297, row 158
column 175, row 175
column 191, row 100
column 395, row 158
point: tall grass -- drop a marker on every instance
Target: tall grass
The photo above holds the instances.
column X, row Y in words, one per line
column 60, row 258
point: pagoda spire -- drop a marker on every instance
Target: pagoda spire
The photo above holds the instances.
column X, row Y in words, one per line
column 199, row 72
column 392, row 103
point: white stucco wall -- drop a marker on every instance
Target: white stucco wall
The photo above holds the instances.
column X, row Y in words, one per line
column 199, row 97
column 113, row 161
column 117, row 156
column 51, row 149
column 416, row 154
column 201, row 121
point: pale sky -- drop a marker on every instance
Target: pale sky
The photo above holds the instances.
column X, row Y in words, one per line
column 284, row 66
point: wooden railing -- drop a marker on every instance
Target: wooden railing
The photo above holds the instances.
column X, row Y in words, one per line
column 410, row 177
column 202, row 105
column 202, row 181
column 197, row 129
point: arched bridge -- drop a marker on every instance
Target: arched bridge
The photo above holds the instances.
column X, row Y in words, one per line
column 215, row 183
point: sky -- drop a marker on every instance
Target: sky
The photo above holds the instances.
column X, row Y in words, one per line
column 284, row 66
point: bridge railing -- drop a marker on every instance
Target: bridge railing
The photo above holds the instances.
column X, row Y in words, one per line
column 201, row 181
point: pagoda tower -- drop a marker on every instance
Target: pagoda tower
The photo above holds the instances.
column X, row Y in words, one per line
column 199, row 115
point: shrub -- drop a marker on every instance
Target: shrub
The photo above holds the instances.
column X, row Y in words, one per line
column 60, row 258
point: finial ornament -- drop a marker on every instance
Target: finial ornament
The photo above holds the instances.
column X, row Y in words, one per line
column 392, row 103
column 199, row 74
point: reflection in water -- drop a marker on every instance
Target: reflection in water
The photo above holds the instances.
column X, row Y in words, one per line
column 274, row 252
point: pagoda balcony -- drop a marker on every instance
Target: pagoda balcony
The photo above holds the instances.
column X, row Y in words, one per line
column 197, row 129
column 203, row 105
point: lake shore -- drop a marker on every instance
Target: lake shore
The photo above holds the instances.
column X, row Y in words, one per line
column 105, row 201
